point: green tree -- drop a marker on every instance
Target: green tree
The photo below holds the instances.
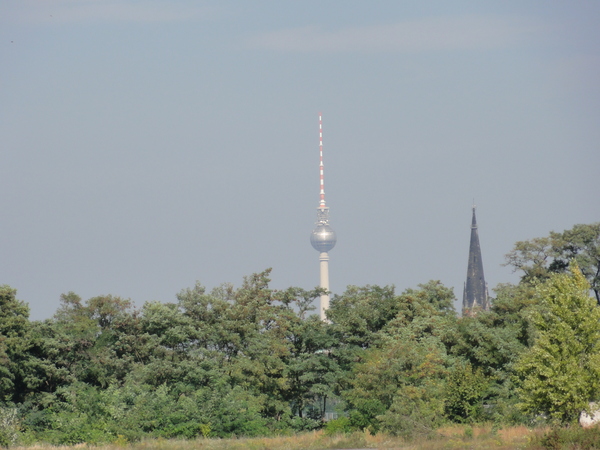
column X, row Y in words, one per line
column 360, row 312
column 311, row 369
column 361, row 316
column 398, row 387
column 258, row 339
column 490, row 343
column 14, row 345
column 396, row 380
column 86, row 338
column 276, row 354
column 538, row 258
column 560, row 374
column 465, row 390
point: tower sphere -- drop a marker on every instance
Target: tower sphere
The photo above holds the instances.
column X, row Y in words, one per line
column 323, row 238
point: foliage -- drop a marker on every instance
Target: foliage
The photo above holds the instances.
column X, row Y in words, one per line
column 483, row 436
column 465, row 390
column 230, row 362
column 361, row 312
column 84, row 413
column 341, row 425
column 559, row 438
column 398, row 385
column 9, row 426
column 538, row 258
column 560, row 373
column 253, row 361
column 415, row 411
column 492, row 342
column 14, row 345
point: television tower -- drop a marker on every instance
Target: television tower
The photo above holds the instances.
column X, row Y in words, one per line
column 323, row 237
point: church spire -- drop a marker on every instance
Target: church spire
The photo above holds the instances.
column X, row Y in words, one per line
column 475, row 295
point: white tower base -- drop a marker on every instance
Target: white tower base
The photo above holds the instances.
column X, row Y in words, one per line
column 324, row 266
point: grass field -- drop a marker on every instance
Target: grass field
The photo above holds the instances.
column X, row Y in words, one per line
column 455, row 437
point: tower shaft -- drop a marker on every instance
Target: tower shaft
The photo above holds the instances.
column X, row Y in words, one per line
column 475, row 295
column 324, row 283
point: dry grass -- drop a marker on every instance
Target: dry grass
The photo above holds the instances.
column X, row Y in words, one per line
column 479, row 437
column 453, row 437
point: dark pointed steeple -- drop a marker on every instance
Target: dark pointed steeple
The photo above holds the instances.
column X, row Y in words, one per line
column 475, row 296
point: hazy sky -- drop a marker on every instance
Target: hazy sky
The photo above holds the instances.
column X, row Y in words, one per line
column 145, row 145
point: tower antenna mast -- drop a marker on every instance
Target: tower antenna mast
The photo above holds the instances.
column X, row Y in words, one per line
column 323, row 237
column 322, row 193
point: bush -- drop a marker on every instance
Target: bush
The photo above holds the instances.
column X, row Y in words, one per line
column 569, row 437
column 4, row 439
column 465, row 391
column 340, row 425
column 414, row 412
column 9, row 426
column 303, row 424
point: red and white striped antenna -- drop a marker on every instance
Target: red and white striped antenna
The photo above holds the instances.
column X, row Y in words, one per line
column 322, row 194
column 323, row 237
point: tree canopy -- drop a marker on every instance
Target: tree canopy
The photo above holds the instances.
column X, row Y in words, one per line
column 560, row 372
column 538, row 258
column 253, row 360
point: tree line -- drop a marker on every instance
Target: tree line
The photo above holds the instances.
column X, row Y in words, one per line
column 254, row 361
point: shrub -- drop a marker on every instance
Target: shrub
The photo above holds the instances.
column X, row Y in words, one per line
column 9, row 426
column 569, row 437
column 4, row 439
column 416, row 411
column 465, row 391
column 340, row 425
column 303, row 424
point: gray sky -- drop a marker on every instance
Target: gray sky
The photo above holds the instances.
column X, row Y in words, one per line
column 145, row 145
